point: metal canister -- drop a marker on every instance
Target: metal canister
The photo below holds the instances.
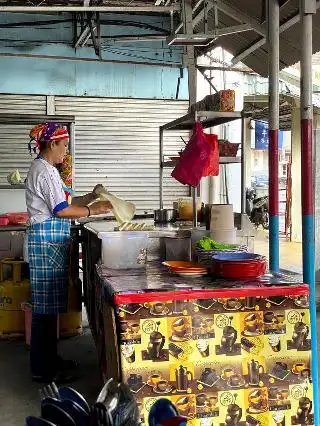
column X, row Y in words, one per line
column 165, row 215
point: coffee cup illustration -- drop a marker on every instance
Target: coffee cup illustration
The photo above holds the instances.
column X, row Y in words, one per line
column 258, row 402
column 280, row 318
column 180, row 329
column 201, row 399
column 278, row 418
column 213, row 400
column 198, row 322
column 203, row 347
column 129, row 353
column 273, row 393
column 158, row 308
column 252, row 323
column 154, row 379
column 209, row 322
column 268, row 317
column 231, row 303
column 184, row 405
column 227, row 373
column 235, row 380
column 275, row 343
column 124, row 327
column 135, row 328
column 162, row 385
column 298, row 367
column 284, row 394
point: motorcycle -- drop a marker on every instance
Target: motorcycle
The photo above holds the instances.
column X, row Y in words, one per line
column 257, row 208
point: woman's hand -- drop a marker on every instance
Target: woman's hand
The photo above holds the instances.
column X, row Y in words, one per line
column 97, row 190
column 100, row 207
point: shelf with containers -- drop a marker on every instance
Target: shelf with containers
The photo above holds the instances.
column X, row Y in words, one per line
column 208, row 119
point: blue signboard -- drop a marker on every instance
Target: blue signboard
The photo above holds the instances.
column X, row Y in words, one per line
column 262, row 136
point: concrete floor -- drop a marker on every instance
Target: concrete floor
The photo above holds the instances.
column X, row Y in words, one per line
column 290, row 252
column 19, row 397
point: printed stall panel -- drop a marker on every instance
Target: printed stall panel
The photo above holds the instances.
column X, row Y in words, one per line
column 226, row 362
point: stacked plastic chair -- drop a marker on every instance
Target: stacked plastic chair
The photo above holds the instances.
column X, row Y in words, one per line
column 115, row 406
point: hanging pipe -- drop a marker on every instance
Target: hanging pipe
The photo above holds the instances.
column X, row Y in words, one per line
column 273, row 36
column 308, row 8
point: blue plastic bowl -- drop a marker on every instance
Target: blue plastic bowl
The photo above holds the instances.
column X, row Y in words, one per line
column 237, row 257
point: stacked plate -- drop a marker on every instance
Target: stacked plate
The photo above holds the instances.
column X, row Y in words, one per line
column 186, row 269
column 239, row 265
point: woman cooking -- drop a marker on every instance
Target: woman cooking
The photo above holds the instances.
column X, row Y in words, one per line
column 48, row 247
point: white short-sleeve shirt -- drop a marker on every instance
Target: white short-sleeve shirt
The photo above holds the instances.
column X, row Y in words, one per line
column 45, row 195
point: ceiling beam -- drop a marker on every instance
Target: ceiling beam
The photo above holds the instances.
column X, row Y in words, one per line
column 194, row 10
column 256, row 45
column 120, row 9
column 240, row 16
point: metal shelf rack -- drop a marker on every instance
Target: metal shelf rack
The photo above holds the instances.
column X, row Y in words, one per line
column 207, row 119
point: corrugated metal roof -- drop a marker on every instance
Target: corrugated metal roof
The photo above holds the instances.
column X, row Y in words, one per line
column 242, row 11
column 290, row 40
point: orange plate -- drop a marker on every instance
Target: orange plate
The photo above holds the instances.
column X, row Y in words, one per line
column 184, row 266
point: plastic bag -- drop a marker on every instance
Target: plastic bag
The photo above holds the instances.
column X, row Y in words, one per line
column 193, row 162
column 212, row 168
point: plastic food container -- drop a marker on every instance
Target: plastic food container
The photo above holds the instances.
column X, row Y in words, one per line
column 18, row 218
column 124, row 250
column 185, row 208
column 4, row 220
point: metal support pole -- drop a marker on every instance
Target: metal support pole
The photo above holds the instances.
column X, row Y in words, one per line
column 243, row 166
column 307, row 9
column 72, row 137
column 273, row 35
column 189, row 58
column 161, row 166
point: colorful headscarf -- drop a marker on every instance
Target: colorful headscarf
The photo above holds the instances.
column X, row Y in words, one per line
column 47, row 132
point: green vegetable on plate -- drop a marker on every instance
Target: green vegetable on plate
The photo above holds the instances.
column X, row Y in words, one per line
column 209, row 244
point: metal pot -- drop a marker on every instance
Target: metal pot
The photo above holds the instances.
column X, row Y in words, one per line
column 165, row 215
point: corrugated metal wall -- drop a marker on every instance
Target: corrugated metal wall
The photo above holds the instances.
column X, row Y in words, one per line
column 14, row 138
column 117, row 144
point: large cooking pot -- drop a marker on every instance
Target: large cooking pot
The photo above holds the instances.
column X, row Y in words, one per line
column 165, row 215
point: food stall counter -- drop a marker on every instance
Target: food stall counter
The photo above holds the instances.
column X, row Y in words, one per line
column 224, row 352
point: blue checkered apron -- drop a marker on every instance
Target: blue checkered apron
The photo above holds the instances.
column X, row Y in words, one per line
column 48, row 251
